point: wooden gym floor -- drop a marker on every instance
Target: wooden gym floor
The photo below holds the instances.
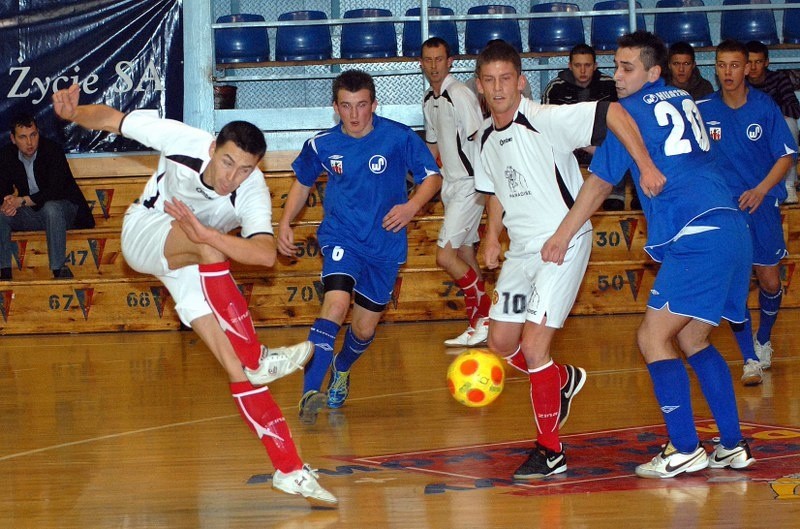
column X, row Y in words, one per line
column 138, row 430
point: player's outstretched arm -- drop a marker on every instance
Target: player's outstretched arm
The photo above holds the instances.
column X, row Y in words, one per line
column 94, row 117
column 494, row 227
column 295, row 201
column 592, row 194
column 401, row 214
column 624, row 127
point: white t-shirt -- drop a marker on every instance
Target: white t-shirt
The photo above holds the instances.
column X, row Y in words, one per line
column 450, row 119
column 530, row 168
column 184, row 156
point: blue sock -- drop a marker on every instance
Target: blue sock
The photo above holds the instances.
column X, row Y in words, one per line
column 769, row 303
column 323, row 334
column 351, row 350
column 715, row 381
column 671, row 386
column 743, row 332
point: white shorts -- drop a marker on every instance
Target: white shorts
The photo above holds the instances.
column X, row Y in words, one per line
column 529, row 289
column 144, row 235
column 463, row 209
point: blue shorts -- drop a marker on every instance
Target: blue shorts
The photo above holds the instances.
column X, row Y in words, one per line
column 766, row 230
column 373, row 279
column 705, row 275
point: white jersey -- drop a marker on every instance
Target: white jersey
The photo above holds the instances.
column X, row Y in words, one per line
column 184, row 156
column 529, row 166
column 450, row 119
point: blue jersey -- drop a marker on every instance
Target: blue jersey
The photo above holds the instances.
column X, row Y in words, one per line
column 366, row 179
column 676, row 139
column 748, row 140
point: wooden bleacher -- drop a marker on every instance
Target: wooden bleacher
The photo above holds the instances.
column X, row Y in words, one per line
column 106, row 295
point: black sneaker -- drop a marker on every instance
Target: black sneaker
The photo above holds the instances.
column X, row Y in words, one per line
column 576, row 378
column 542, row 463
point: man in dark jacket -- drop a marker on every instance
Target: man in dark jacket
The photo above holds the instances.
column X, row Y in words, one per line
column 39, row 193
column 683, row 72
column 582, row 81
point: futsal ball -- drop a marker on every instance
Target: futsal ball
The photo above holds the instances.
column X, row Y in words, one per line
column 475, row 378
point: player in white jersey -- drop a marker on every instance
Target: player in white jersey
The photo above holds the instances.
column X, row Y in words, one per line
column 178, row 231
column 452, row 118
column 531, row 178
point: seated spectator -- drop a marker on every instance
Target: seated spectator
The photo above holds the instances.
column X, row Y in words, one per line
column 40, row 194
column 778, row 85
column 582, row 81
column 683, row 72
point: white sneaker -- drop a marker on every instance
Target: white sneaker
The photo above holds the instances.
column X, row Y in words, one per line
column 462, row 340
column 791, row 193
column 669, row 463
column 764, row 353
column 737, row 457
column 753, row 373
column 304, row 482
column 481, row 332
column 279, row 362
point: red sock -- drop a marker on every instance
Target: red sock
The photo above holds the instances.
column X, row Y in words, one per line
column 484, row 301
column 546, row 400
column 265, row 418
column 517, row 361
column 468, row 285
column 230, row 308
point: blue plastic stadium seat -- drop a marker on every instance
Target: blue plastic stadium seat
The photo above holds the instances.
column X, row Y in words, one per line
column 750, row 24
column 303, row 43
column 556, row 33
column 444, row 29
column 687, row 27
column 791, row 24
column 368, row 40
column 241, row 44
column 480, row 31
column 607, row 29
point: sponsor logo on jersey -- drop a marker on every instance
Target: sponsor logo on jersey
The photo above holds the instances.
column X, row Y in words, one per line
column 505, row 140
column 517, row 186
column 336, row 163
column 202, row 192
column 754, row 132
column 377, row 164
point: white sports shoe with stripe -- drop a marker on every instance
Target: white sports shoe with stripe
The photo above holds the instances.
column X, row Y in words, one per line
column 669, row 463
column 279, row 362
column 304, row 482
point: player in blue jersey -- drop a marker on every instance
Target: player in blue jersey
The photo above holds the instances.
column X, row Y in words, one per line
column 363, row 234
column 702, row 242
column 746, row 125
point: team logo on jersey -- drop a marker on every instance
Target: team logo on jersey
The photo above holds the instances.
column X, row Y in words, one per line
column 715, row 133
column 377, row 164
column 650, row 99
column 336, row 164
column 754, row 132
column 517, row 186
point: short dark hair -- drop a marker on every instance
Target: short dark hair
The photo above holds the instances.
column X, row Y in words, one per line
column 756, row 46
column 498, row 50
column 244, row 135
column 22, row 119
column 582, row 49
column 353, row 81
column 652, row 51
column 734, row 46
column 681, row 48
column 435, row 42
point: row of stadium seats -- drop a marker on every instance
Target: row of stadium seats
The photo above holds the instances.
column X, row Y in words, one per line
column 375, row 39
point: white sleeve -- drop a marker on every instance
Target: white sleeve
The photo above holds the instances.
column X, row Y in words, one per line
column 164, row 135
column 566, row 127
column 253, row 205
